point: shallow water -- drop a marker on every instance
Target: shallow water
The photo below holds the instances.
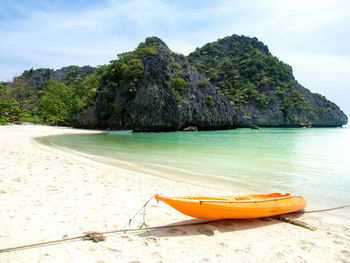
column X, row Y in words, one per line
column 313, row 162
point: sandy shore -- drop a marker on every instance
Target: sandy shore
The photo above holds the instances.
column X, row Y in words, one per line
column 48, row 194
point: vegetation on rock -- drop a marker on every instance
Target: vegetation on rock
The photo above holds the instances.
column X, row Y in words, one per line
column 239, row 66
column 258, row 84
column 153, row 88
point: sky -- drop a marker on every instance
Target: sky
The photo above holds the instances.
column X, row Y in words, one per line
column 313, row 36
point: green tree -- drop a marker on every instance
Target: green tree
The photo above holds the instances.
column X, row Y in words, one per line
column 4, row 92
column 84, row 91
column 209, row 100
column 57, row 103
column 10, row 111
column 178, row 84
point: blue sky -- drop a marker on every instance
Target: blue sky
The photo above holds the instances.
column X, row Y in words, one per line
column 313, row 36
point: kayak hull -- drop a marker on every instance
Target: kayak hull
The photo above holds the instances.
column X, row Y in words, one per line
column 235, row 207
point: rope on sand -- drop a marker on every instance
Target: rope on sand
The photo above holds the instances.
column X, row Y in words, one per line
column 93, row 236
column 99, row 236
column 320, row 210
column 303, row 224
column 295, row 222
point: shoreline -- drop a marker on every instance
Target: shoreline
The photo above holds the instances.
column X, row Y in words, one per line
column 197, row 177
column 49, row 193
column 209, row 182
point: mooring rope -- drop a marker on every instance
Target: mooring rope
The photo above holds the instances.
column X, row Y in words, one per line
column 89, row 234
column 93, row 236
column 98, row 236
column 320, row 210
column 142, row 208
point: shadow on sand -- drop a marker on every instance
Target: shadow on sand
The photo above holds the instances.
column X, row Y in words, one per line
column 207, row 227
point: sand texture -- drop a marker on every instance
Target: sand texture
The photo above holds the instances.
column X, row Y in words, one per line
column 47, row 194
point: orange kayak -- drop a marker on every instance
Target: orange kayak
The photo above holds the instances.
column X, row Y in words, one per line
column 237, row 206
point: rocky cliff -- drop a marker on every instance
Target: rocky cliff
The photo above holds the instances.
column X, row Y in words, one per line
column 37, row 77
column 233, row 82
column 28, row 86
column 261, row 88
column 154, row 89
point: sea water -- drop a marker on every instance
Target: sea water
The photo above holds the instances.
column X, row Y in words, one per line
column 312, row 162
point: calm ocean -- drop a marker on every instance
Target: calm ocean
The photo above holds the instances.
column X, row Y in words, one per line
column 313, row 162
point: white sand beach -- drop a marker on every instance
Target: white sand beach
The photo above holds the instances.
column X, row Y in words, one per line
column 48, row 194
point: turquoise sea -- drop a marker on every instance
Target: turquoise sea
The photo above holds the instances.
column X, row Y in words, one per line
column 312, row 162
